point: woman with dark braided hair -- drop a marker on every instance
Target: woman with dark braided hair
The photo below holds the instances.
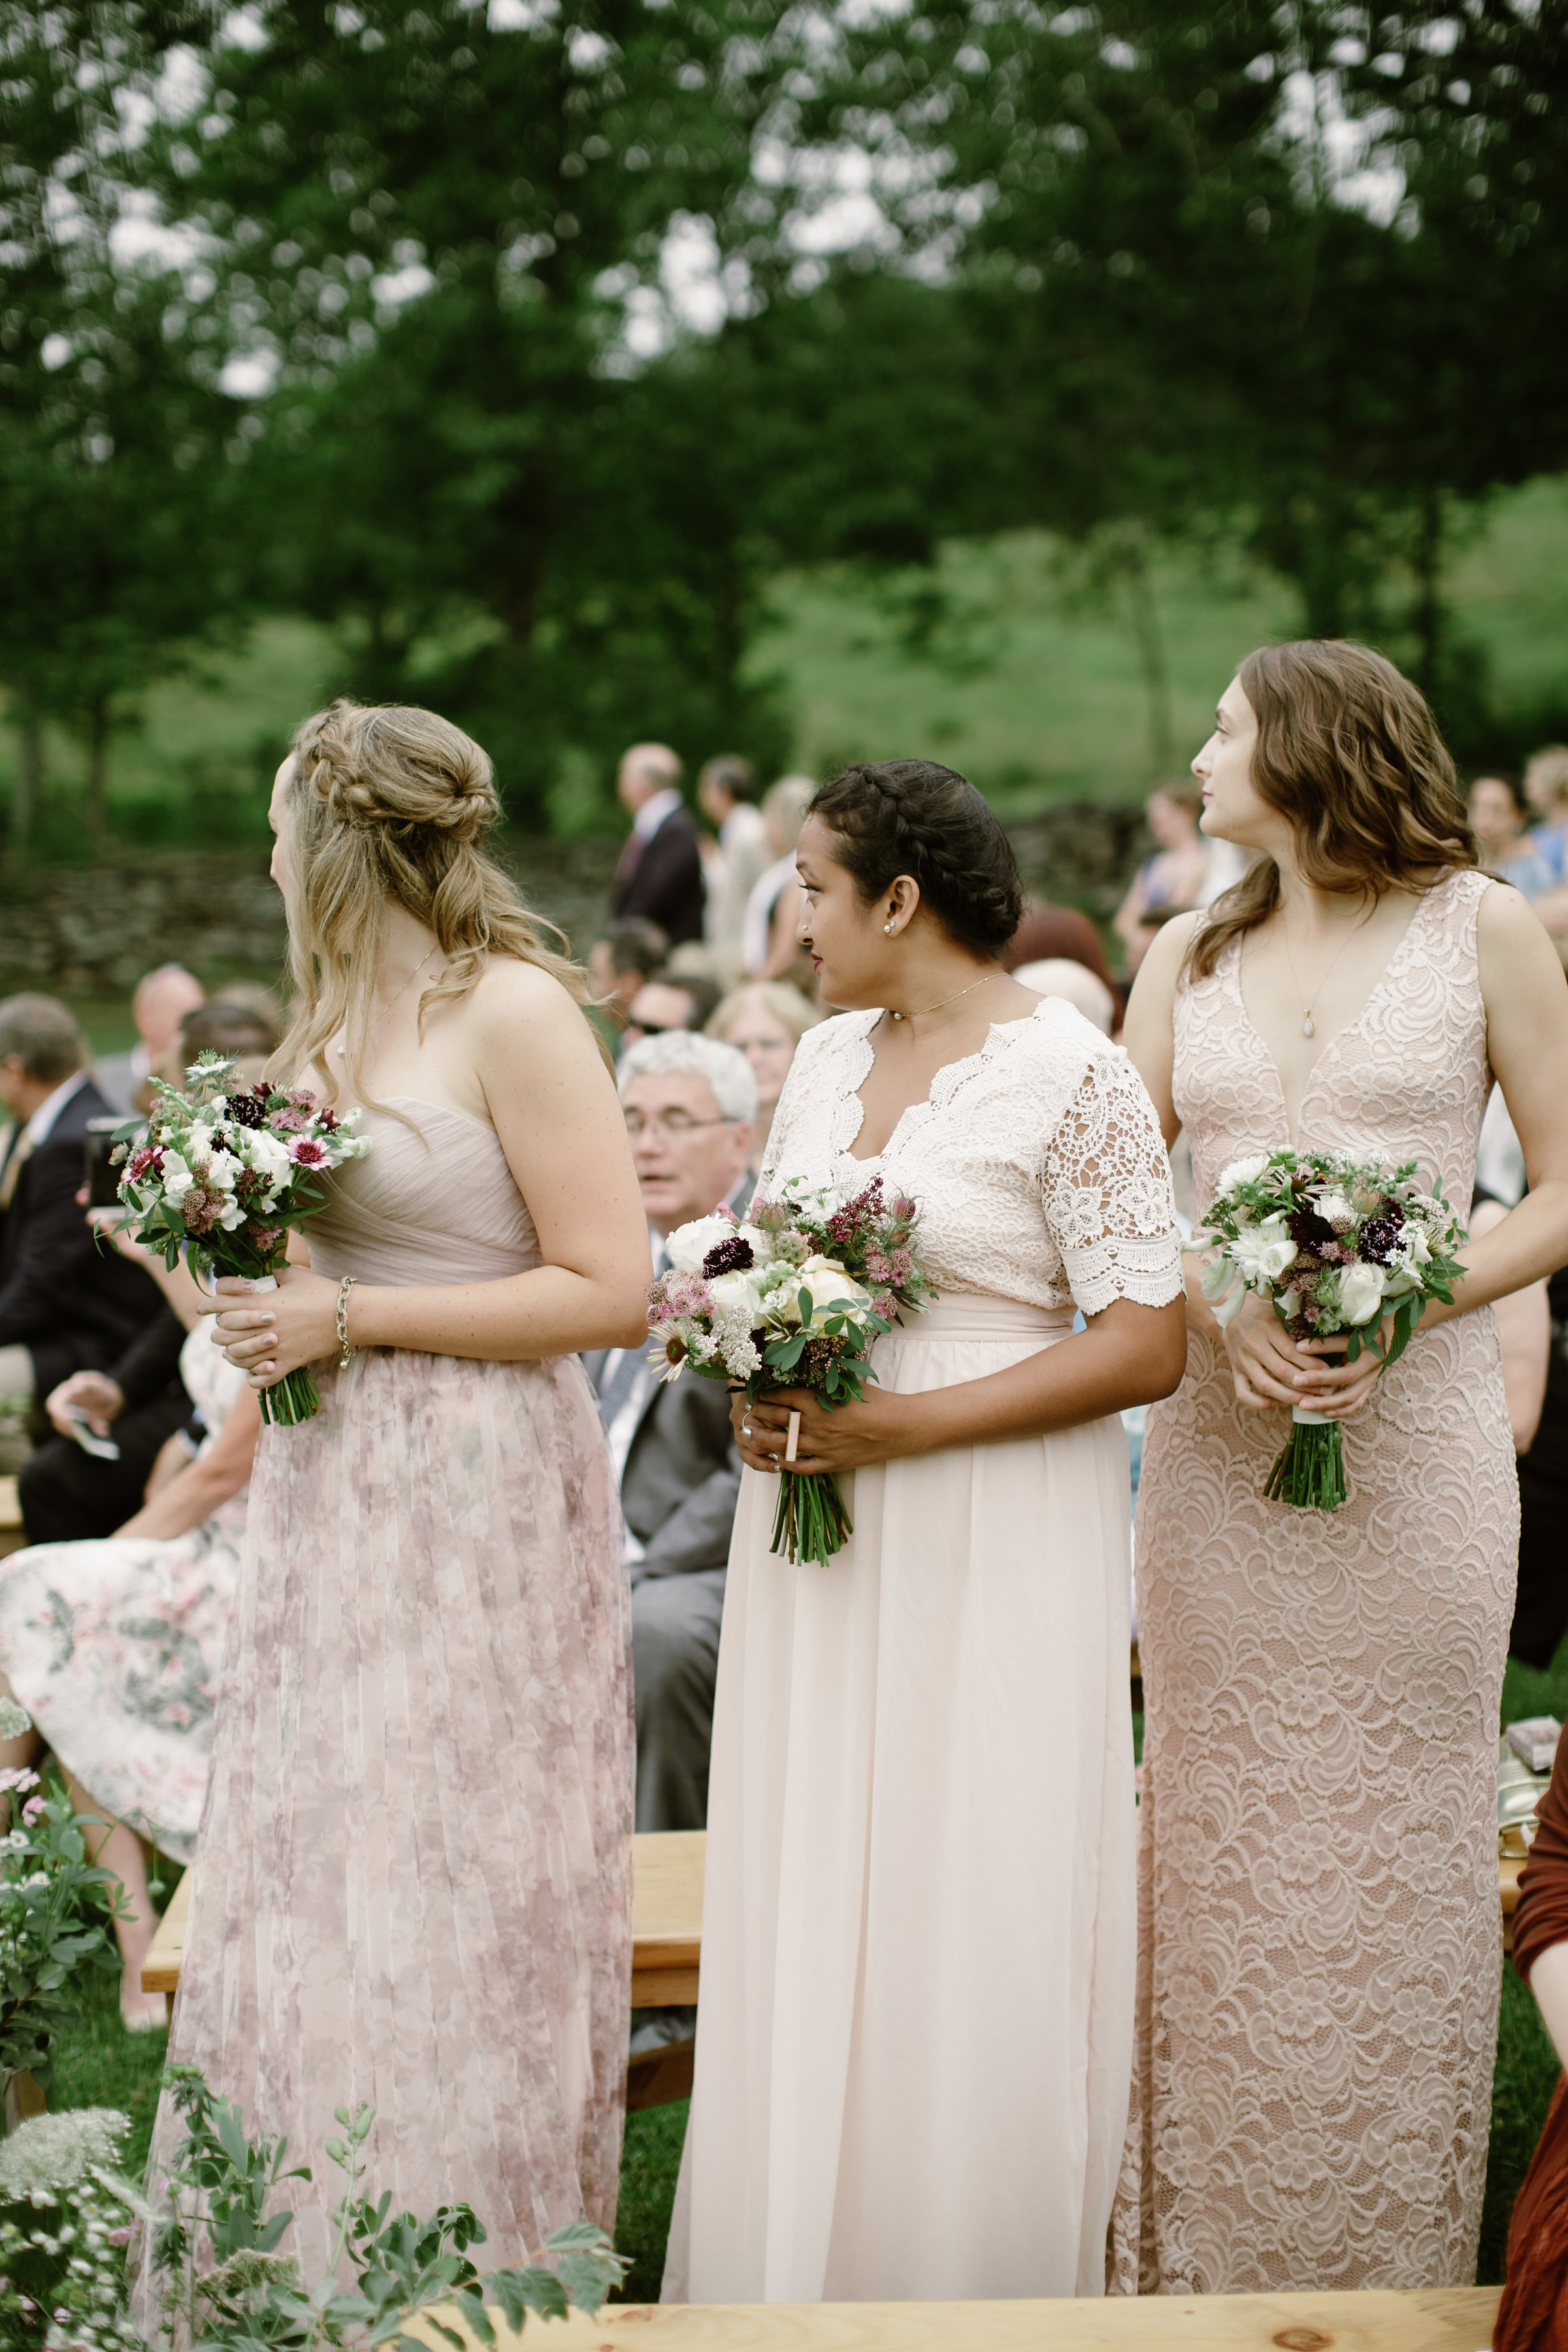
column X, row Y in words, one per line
column 414, row 1869
column 915, row 2053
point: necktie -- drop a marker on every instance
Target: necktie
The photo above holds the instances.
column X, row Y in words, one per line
column 21, row 1152
column 622, row 1374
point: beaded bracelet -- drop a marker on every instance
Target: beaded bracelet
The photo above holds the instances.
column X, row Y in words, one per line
column 345, row 1358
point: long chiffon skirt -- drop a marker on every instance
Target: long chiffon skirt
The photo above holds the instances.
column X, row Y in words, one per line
column 414, row 1878
column 915, row 2024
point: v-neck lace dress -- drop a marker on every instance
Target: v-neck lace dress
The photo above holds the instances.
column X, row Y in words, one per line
column 915, row 2034
column 414, row 1872
column 1318, row 1951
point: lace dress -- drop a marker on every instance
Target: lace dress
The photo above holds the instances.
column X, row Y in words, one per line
column 914, row 2035
column 1319, row 1956
column 413, row 1875
column 113, row 1647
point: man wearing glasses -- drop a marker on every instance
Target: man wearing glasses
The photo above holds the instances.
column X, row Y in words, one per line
column 688, row 1103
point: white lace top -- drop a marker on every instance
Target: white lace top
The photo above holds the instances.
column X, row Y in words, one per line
column 1038, row 1163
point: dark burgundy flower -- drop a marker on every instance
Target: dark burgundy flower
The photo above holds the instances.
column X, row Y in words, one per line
column 1380, row 1238
column 250, row 1109
column 1308, row 1231
column 731, row 1256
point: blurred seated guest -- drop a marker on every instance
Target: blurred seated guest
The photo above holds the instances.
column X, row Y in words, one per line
column 1533, row 2314
column 726, row 790
column 161, row 1000
column 1046, row 933
column 769, row 949
column 1065, row 976
column 70, row 1491
column 1172, row 881
column 766, row 1020
column 1499, row 814
column 114, row 1648
column 688, row 1103
column 683, row 1001
column 620, row 960
column 1546, row 881
column 660, row 870
column 64, row 1307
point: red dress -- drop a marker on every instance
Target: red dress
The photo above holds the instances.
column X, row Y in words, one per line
column 1533, row 2314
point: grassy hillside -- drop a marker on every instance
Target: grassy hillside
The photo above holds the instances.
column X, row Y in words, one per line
column 1029, row 683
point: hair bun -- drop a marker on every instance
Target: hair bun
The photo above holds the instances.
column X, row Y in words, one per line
column 397, row 771
column 913, row 817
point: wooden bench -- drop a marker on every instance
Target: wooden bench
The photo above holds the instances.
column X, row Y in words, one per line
column 1434, row 2319
column 666, row 1945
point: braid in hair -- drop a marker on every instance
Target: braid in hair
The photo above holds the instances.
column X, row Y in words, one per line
column 911, row 817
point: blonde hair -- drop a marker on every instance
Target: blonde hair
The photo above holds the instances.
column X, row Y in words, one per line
column 789, row 1008
column 1548, row 772
column 390, row 804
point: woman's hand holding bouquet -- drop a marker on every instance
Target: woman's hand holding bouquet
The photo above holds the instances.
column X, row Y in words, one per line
column 792, row 1300
column 227, row 1177
column 1305, row 1247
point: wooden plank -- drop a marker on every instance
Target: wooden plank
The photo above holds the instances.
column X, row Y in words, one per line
column 655, row 2077
column 1436, row 2319
column 666, row 1917
column 161, row 1968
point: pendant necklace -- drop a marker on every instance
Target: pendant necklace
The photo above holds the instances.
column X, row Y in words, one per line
column 1308, row 1029
column 949, row 1000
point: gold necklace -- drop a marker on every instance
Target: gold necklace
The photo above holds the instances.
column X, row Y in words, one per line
column 408, row 982
column 1308, row 1029
column 950, row 1000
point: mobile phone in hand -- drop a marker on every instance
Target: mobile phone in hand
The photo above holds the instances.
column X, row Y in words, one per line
column 102, row 1181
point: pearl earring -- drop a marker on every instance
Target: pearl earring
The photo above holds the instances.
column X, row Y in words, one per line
column 888, row 926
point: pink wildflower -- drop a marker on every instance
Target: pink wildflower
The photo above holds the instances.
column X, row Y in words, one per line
column 32, row 1809
column 306, row 1152
column 290, row 1121
column 17, row 1776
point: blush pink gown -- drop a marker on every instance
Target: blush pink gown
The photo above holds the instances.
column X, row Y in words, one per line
column 414, row 1873
column 1319, row 1945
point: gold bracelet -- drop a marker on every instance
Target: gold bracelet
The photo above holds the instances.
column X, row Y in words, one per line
column 346, row 1358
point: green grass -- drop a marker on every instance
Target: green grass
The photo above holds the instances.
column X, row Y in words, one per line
column 99, row 2064
column 1035, row 689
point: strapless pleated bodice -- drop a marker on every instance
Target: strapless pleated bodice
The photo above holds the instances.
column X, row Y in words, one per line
column 433, row 1200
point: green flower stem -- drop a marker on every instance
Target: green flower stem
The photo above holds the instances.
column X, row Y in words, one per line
column 1310, row 1469
column 811, row 1522
column 293, row 1398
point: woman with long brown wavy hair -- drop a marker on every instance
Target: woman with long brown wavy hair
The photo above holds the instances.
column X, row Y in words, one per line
column 1319, row 1945
column 413, row 1870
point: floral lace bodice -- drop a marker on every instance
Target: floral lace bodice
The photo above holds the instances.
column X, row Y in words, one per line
column 1038, row 1163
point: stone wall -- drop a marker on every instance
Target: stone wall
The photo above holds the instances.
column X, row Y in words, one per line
column 91, row 930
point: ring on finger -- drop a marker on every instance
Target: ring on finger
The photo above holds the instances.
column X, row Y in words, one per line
column 745, row 1429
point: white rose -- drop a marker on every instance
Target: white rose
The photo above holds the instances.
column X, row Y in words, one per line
column 830, row 1287
column 177, row 1178
column 1263, row 1252
column 1413, row 1246
column 266, row 1152
column 1336, row 1210
column 688, row 1245
column 1242, row 1171
column 730, row 1294
column 220, row 1170
column 1361, row 1292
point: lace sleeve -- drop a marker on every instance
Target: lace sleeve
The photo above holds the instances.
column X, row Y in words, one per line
column 1107, row 1192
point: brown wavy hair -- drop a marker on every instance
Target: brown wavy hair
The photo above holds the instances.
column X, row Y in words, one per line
column 1349, row 752
column 390, row 806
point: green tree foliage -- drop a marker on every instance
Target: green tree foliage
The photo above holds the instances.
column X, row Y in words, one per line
column 120, row 554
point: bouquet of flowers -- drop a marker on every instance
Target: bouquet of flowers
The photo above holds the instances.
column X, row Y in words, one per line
column 227, row 1176
column 792, row 1297
column 1334, row 1244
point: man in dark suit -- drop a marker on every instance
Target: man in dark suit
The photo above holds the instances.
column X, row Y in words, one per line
column 688, row 1103
column 660, row 870
column 65, row 1306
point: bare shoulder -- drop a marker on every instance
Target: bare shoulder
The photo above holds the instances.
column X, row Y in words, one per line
column 514, row 1004
column 1512, row 943
column 1168, row 950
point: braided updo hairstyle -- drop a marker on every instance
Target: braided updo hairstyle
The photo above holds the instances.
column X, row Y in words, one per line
column 909, row 816
column 390, row 806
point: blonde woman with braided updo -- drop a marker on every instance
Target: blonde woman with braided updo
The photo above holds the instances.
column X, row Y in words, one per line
column 415, row 1867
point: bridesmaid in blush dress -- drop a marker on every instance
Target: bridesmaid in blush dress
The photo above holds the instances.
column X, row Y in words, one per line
column 915, row 2031
column 1319, row 1943
column 414, row 1872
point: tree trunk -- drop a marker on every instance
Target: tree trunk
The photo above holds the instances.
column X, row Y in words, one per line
column 1429, row 613
column 28, row 792
column 97, row 770
column 1153, row 663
